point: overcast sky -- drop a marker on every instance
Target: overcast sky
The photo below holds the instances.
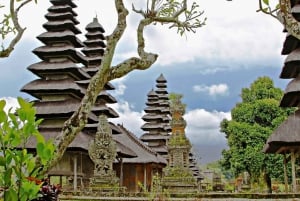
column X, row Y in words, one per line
column 209, row 68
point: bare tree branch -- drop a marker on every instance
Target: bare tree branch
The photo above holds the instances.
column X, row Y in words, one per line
column 267, row 10
column 23, row 4
column 5, row 52
column 288, row 20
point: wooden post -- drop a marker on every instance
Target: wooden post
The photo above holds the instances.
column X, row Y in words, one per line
column 75, row 173
column 293, row 159
column 121, row 171
column 285, row 173
column 145, row 176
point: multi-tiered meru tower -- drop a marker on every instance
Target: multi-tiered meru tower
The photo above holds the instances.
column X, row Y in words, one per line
column 157, row 127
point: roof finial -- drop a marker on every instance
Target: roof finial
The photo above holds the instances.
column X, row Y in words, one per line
column 96, row 17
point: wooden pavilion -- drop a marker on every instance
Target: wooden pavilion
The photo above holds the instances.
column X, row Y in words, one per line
column 139, row 171
column 286, row 138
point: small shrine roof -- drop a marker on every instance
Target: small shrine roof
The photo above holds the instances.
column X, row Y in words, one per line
column 45, row 69
column 62, row 9
column 62, row 2
column 149, row 117
column 152, row 126
column 61, row 25
column 291, row 68
column 65, row 51
column 154, row 137
column 95, row 26
column 161, row 79
column 286, row 136
column 291, row 97
column 67, row 36
column 54, row 16
column 290, row 43
column 39, row 87
column 144, row 153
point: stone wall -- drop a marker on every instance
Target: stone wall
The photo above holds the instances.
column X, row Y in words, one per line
column 289, row 197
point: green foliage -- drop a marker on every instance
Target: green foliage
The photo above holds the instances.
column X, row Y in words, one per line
column 175, row 100
column 253, row 121
column 179, row 140
column 170, row 9
column 19, row 169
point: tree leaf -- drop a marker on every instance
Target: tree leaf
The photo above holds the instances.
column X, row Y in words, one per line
column 266, row 2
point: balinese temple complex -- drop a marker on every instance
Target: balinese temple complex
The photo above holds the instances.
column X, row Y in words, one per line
column 286, row 139
column 103, row 156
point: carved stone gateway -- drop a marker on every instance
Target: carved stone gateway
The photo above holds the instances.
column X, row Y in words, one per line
column 102, row 151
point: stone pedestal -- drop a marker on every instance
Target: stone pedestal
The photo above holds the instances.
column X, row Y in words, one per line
column 103, row 152
column 179, row 180
column 104, row 184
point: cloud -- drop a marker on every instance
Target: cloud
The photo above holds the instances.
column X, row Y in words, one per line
column 203, row 131
column 132, row 120
column 232, row 37
column 213, row 90
column 11, row 103
column 203, row 126
column 120, row 87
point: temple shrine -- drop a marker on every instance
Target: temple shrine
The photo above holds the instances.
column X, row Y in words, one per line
column 178, row 176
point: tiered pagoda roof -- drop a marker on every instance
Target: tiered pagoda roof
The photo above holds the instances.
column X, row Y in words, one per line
column 144, row 153
column 163, row 97
column 286, row 136
column 157, row 126
column 62, row 81
column 93, row 51
column 194, row 167
column 57, row 93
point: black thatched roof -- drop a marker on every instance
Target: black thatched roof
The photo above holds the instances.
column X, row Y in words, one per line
column 45, row 70
column 49, row 38
column 154, row 137
column 38, row 88
column 291, row 97
column 144, row 153
column 81, row 142
column 291, row 66
column 286, row 136
column 291, row 43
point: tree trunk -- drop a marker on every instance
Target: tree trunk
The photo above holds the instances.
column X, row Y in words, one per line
column 268, row 182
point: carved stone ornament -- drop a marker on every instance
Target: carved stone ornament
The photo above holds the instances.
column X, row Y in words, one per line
column 102, row 149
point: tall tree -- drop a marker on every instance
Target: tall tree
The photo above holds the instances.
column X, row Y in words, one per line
column 253, row 121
